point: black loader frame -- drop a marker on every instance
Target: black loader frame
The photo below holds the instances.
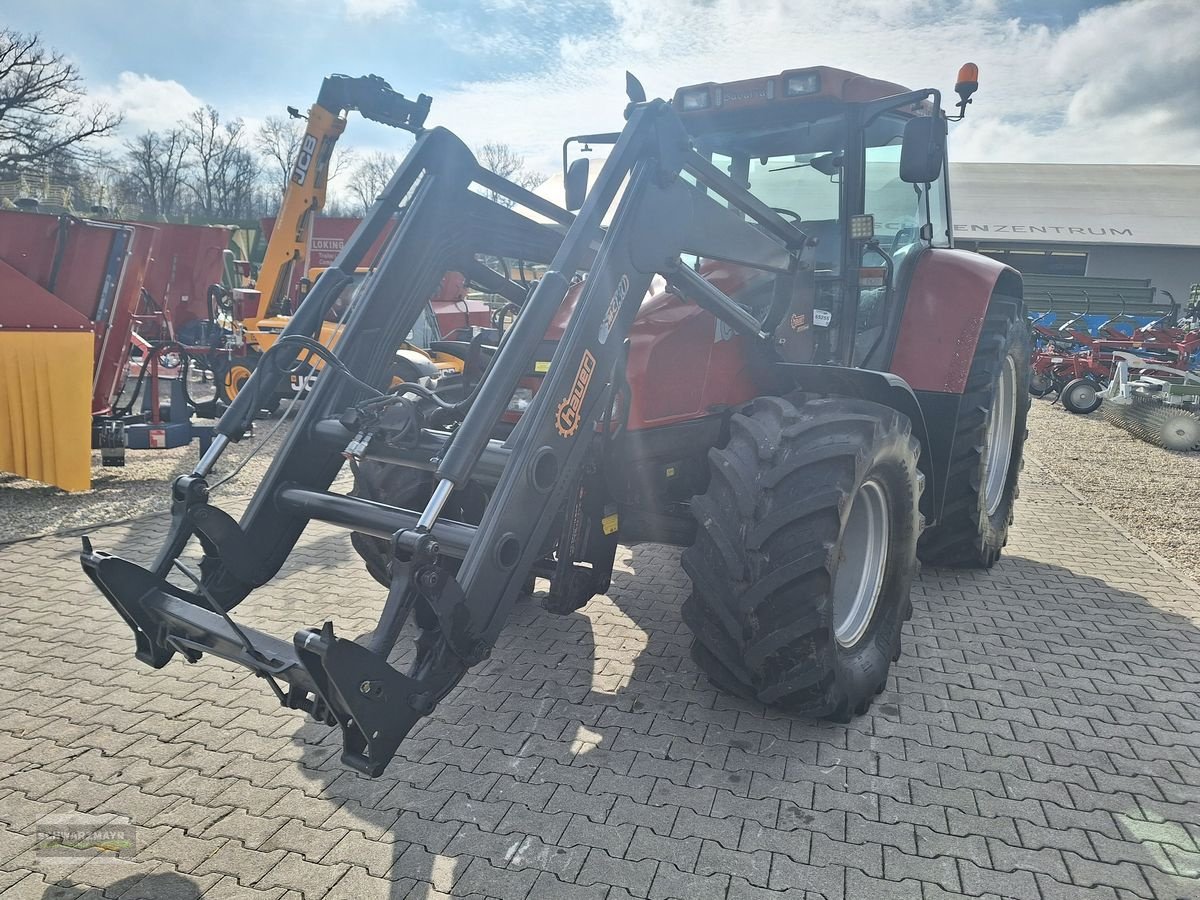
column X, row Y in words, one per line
column 544, row 467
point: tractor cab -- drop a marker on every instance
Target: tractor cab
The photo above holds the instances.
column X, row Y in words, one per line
column 858, row 164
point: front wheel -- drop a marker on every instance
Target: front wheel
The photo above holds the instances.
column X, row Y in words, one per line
column 805, row 554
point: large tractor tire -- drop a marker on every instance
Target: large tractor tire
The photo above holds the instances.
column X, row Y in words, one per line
column 981, row 486
column 408, row 489
column 805, row 554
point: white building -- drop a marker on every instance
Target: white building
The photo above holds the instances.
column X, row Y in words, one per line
column 1066, row 219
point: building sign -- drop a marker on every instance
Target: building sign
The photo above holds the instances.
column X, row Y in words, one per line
column 1074, row 231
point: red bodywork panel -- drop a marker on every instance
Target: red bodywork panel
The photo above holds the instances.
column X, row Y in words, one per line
column 29, row 243
column 454, row 310
column 89, row 276
column 26, row 305
column 943, row 314
column 683, row 363
column 186, row 260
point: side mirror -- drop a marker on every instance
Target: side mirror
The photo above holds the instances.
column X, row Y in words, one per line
column 575, row 184
column 923, row 150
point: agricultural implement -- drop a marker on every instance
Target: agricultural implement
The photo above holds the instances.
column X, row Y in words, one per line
column 1079, row 366
column 1159, row 404
column 806, row 407
column 70, row 294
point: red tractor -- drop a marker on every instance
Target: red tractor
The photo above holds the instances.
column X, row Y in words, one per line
column 825, row 392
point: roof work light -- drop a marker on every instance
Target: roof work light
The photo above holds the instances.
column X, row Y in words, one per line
column 695, row 98
column 802, row 83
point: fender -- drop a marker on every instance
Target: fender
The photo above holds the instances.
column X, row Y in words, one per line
column 943, row 314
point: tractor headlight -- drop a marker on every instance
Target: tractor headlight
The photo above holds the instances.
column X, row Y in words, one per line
column 804, row 83
column 520, row 401
column 697, row 98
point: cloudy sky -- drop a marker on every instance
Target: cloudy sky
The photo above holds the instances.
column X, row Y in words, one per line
column 1062, row 80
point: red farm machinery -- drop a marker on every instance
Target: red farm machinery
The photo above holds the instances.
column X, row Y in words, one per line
column 823, row 392
column 1106, row 342
column 74, row 295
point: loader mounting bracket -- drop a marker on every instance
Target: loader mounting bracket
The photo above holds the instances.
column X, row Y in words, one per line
column 373, row 704
column 221, row 537
column 127, row 586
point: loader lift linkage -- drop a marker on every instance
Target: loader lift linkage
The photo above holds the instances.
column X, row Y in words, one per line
column 442, row 226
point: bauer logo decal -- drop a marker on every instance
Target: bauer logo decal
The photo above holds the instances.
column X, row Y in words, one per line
column 566, row 418
column 614, row 307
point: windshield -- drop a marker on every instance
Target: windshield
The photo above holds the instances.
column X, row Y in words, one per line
column 796, row 170
column 792, row 183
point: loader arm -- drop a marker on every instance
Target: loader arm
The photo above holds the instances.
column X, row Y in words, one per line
column 442, row 226
column 304, row 197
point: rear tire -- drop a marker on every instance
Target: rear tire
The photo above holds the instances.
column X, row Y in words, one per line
column 794, row 603
column 981, row 485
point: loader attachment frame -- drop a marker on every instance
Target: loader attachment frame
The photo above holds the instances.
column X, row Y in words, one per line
column 442, row 225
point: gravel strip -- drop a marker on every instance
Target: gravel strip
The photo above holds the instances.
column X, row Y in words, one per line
column 30, row 508
column 1152, row 492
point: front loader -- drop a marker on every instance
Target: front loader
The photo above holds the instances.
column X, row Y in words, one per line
column 824, row 391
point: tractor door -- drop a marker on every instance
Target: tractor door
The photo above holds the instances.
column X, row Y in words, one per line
column 906, row 219
column 805, row 188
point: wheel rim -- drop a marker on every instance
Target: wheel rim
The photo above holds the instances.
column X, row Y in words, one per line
column 1000, row 437
column 1040, row 383
column 1083, row 395
column 235, row 379
column 861, row 567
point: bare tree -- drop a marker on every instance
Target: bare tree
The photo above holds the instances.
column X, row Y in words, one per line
column 224, row 170
column 370, row 177
column 156, row 169
column 507, row 163
column 42, row 109
column 278, row 140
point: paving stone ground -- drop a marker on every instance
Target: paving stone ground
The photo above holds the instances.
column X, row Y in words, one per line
column 1040, row 738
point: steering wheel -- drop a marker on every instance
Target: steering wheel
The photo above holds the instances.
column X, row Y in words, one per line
column 784, row 211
